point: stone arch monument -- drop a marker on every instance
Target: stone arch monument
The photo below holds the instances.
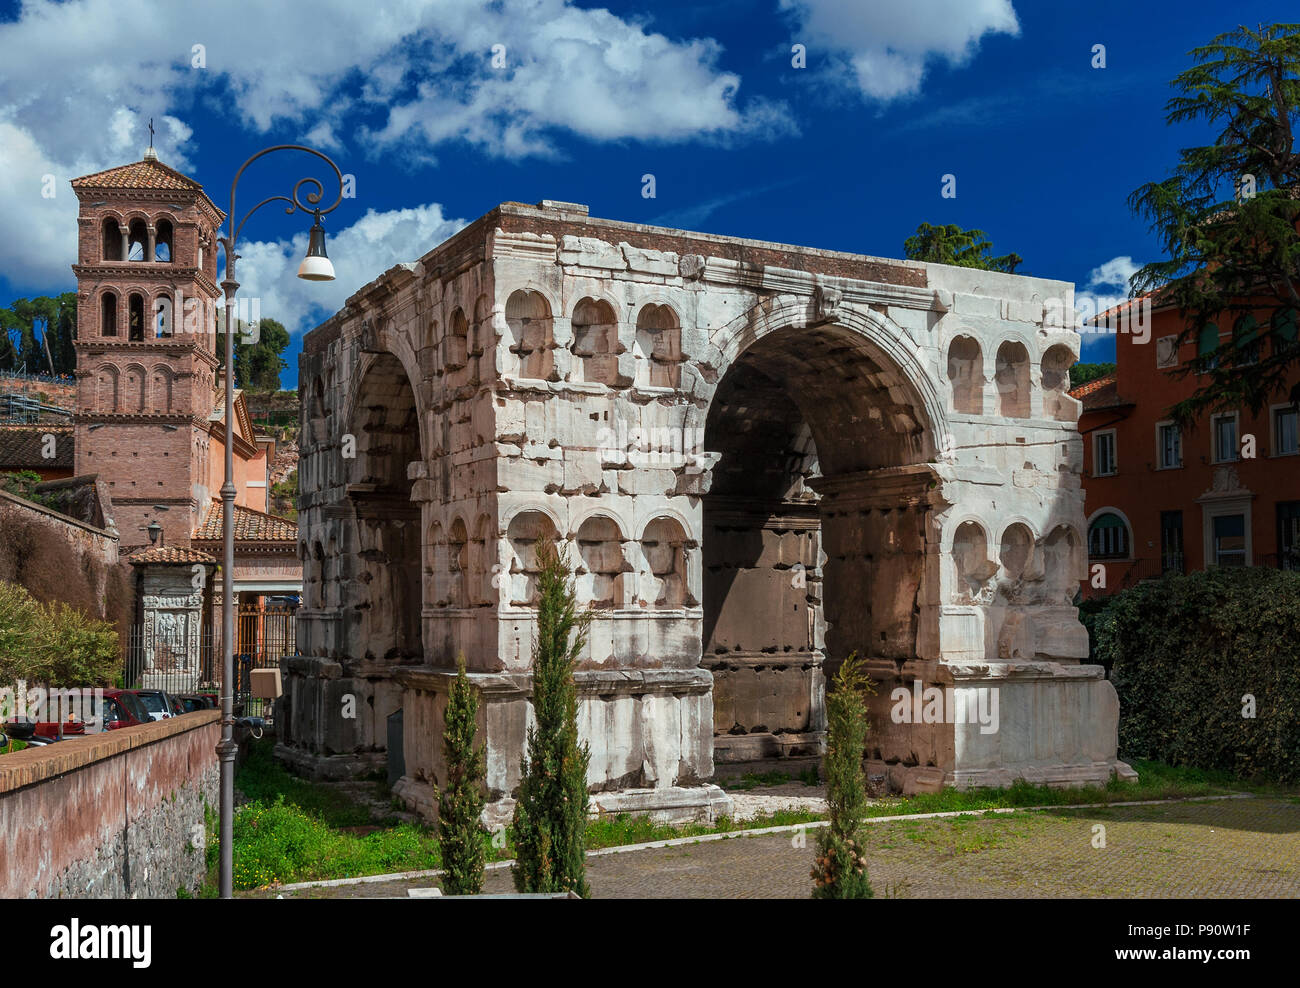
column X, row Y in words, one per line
column 761, row 458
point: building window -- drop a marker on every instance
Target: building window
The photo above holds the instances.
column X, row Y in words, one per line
column 1288, row 535
column 1206, row 343
column 1171, row 542
column 1284, row 330
column 135, row 317
column 1225, row 437
column 1169, row 442
column 108, row 314
column 1245, row 336
column 1104, row 462
column 1108, row 537
column 163, row 246
column 1230, row 540
column 1285, row 438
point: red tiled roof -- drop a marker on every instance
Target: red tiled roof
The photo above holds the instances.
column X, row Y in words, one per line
column 1090, row 386
column 170, row 554
column 21, row 447
column 1098, row 394
column 250, row 526
column 145, row 174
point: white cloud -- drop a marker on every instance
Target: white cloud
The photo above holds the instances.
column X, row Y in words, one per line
column 1115, row 273
column 82, row 78
column 268, row 270
column 886, row 45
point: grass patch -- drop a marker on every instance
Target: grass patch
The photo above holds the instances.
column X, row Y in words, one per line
column 754, row 780
column 293, row 830
column 278, row 843
column 264, row 780
column 1155, row 781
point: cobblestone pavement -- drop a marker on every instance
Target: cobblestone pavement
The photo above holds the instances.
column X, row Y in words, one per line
column 1247, row 848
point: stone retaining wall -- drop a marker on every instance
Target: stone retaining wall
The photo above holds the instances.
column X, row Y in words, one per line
column 114, row 815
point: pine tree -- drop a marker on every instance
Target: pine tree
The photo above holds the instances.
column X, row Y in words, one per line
column 1228, row 221
column 550, row 818
column 461, row 833
column 840, row 870
column 950, row 244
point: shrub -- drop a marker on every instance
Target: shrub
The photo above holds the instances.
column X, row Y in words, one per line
column 53, row 643
column 551, row 813
column 22, row 483
column 460, row 803
column 18, row 631
column 1187, row 650
column 840, row 869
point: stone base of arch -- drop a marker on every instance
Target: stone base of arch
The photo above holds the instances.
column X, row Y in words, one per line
column 984, row 723
column 649, row 733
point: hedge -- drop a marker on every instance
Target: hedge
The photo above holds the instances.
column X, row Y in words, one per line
column 1186, row 651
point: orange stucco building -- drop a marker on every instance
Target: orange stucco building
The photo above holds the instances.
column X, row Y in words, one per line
column 1225, row 492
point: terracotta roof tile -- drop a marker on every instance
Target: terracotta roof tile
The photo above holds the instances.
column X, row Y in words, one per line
column 139, row 175
column 1098, row 394
column 1090, row 386
column 170, row 554
column 250, row 526
column 21, row 447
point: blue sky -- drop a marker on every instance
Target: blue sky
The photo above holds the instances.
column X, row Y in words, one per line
column 845, row 154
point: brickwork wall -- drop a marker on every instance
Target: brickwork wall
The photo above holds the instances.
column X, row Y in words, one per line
column 113, row 815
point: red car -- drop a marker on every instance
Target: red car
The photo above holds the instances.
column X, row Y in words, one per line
column 122, row 708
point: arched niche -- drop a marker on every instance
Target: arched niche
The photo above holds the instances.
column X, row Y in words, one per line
column 532, row 333
column 966, row 375
column 1012, row 377
column 525, row 530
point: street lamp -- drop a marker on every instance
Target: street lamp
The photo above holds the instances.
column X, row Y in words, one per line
column 316, row 266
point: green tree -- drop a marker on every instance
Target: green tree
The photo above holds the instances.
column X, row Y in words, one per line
column 1226, row 219
column 461, row 832
column 1083, row 373
column 18, row 632
column 550, row 818
column 29, row 325
column 9, row 359
column 840, row 869
column 950, row 244
column 53, row 644
column 258, row 364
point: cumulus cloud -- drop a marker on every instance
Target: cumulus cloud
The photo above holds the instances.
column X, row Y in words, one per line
column 268, row 270
column 1115, row 273
column 81, row 79
column 885, row 46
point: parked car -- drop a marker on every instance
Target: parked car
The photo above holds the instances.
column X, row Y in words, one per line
column 195, row 701
column 122, row 708
column 157, row 702
column 43, row 731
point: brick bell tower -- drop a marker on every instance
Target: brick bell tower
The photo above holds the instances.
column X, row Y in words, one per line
column 146, row 333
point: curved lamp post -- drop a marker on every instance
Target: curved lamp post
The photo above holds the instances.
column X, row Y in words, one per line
column 315, row 266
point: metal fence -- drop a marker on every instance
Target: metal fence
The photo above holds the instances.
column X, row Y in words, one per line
column 167, row 657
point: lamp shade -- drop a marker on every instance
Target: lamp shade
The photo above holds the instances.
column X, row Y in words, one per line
column 316, row 265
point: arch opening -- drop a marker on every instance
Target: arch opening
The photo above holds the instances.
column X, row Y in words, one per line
column 385, row 544
column 814, row 540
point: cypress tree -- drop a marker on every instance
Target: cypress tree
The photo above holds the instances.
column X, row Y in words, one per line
column 550, row 817
column 461, row 833
column 840, row 870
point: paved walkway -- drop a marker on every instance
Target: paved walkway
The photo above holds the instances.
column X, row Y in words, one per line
column 1240, row 848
